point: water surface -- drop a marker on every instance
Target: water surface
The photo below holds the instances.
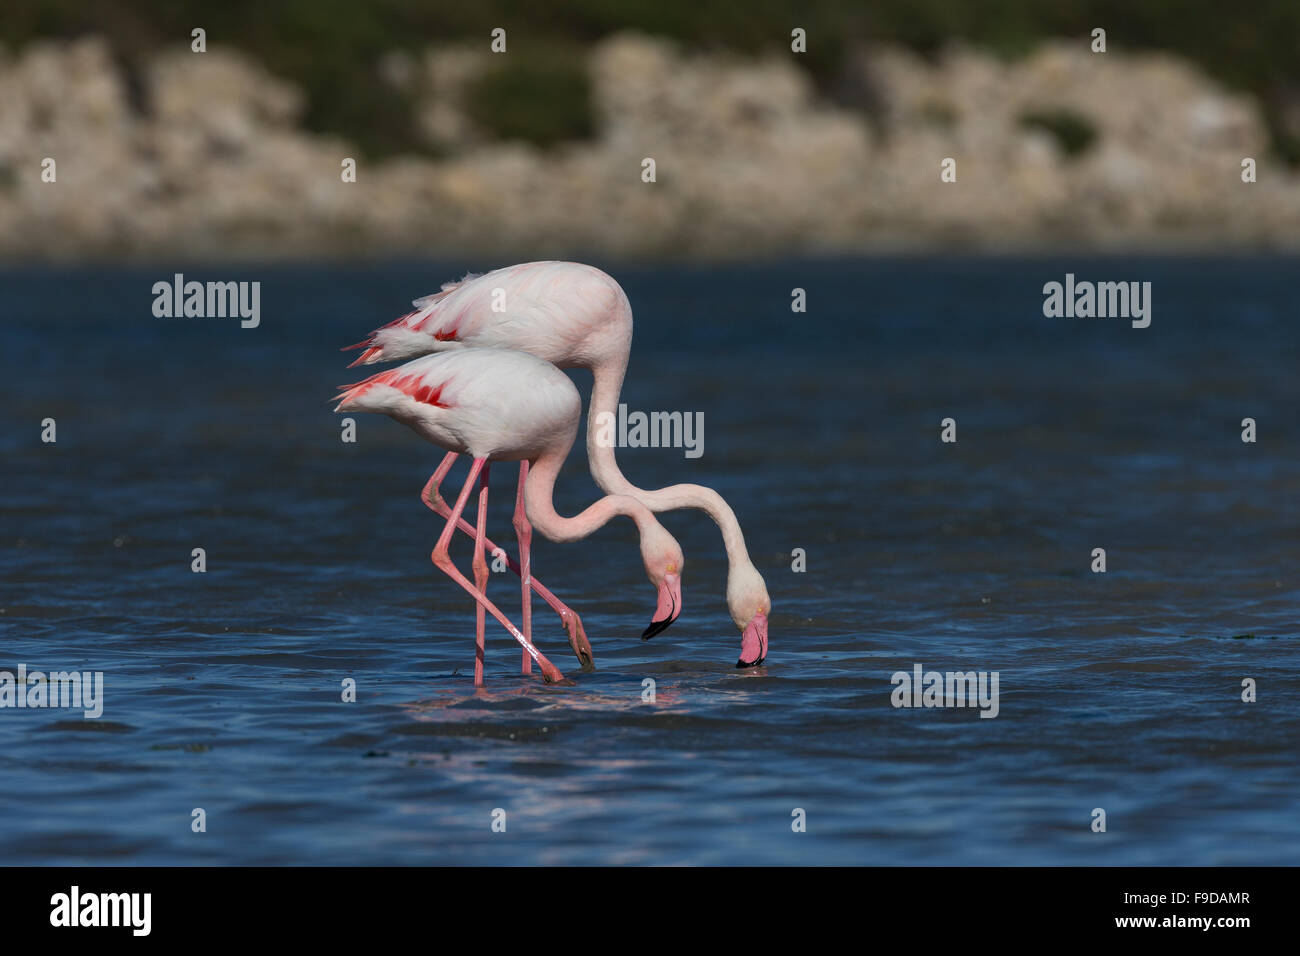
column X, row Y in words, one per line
column 222, row 690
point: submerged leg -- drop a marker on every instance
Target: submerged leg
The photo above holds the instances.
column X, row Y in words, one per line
column 569, row 618
column 481, row 575
column 524, row 532
column 442, row 558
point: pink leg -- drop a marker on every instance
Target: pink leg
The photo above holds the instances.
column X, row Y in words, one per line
column 481, row 576
column 524, row 532
column 442, row 559
column 568, row 617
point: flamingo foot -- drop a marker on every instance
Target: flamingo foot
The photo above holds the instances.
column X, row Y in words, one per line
column 578, row 638
column 551, row 674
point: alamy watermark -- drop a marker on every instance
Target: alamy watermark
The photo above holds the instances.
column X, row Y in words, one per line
column 130, row 910
column 656, row 430
column 1101, row 300
column 922, row 688
column 82, row 690
column 208, row 300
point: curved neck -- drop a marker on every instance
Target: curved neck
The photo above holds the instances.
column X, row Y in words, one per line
column 711, row 503
column 538, row 503
column 607, row 382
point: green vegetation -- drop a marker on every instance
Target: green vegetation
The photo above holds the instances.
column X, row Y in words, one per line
column 543, row 97
column 1073, row 133
column 331, row 47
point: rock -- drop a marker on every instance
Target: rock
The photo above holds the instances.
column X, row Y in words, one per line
column 749, row 160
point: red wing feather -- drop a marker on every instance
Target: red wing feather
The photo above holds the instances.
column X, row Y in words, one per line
column 411, row 383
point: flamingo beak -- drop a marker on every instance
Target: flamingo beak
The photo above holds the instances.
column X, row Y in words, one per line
column 670, row 605
column 753, row 643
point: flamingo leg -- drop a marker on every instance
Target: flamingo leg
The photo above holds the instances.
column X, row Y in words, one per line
column 442, row 559
column 524, row 532
column 568, row 617
column 481, row 576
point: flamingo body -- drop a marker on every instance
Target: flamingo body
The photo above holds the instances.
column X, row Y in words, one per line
column 566, row 313
column 486, row 403
column 502, row 405
column 573, row 316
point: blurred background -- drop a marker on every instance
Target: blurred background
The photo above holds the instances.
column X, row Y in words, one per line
column 537, row 151
column 775, row 170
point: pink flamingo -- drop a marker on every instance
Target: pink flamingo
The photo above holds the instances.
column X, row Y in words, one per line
column 573, row 316
column 498, row 405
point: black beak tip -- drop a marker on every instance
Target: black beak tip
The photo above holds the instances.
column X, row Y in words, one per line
column 751, row 663
column 656, row 627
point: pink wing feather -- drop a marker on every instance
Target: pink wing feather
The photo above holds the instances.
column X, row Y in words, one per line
column 421, row 385
column 428, row 318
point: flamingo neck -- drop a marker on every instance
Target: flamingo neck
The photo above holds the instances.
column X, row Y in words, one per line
column 540, row 506
column 607, row 383
column 711, row 503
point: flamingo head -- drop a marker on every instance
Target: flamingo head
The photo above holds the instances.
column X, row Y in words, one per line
column 748, row 601
column 664, row 562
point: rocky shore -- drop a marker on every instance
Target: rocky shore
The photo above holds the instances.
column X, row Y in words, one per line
column 204, row 156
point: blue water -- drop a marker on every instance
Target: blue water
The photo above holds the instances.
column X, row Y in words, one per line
column 1119, row 691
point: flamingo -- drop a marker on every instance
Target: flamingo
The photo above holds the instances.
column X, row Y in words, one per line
column 572, row 316
column 500, row 405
